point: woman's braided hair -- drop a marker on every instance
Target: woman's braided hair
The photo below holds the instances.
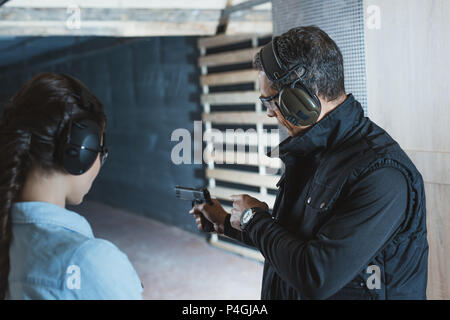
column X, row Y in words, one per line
column 30, row 132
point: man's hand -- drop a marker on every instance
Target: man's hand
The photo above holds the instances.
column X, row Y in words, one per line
column 241, row 203
column 214, row 213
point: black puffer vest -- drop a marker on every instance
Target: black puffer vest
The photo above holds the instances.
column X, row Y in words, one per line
column 319, row 166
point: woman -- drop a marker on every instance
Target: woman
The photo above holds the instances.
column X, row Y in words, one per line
column 51, row 150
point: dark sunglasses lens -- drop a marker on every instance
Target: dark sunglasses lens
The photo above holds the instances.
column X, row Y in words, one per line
column 269, row 102
column 271, row 105
column 265, row 103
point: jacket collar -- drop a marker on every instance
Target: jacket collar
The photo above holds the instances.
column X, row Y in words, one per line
column 333, row 129
column 35, row 212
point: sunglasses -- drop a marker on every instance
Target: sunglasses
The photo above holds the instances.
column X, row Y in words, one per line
column 103, row 150
column 103, row 154
column 269, row 102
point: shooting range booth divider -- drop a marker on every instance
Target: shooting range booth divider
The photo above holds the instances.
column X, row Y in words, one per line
column 236, row 163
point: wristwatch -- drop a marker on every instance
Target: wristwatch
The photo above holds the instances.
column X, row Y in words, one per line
column 248, row 214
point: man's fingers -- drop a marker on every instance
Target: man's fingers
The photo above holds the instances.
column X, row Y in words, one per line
column 235, row 211
column 197, row 208
column 237, row 199
column 198, row 221
column 197, row 217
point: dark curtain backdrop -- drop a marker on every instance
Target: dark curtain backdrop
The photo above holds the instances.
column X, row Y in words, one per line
column 149, row 87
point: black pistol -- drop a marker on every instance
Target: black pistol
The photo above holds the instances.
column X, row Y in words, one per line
column 197, row 196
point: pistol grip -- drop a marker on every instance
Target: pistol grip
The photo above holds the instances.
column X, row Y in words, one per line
column 207, row 225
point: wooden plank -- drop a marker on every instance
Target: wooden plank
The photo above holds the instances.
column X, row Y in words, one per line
column 226, row 193
column 231, row 77
column 243, row 177
column 230, row 57
column 264, row 6
column 434, row 166
column 222, row 40
column 271, row 138
column 106, row 28
column 247, row 21
column 239, row 118
column 227, row 98
column 236, row 248
column 128, row 4
column 438, row 225
column 238, row 27
column 107, row 22
column 244, row 158
column 105, row 15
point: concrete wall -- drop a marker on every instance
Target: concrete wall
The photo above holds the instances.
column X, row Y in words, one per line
column 408, row 87
column 149, row 87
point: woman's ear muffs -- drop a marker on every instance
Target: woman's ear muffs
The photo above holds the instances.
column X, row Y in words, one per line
column 79, row 148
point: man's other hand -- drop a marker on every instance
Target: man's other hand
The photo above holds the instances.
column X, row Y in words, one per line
column 215, row 213
column 241, row 203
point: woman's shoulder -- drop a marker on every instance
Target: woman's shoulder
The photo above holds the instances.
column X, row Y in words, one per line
column 55, row 254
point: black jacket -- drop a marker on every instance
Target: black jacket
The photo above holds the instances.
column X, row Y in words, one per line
column 349, row 220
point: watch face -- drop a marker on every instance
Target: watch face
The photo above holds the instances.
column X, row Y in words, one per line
column 247, row 216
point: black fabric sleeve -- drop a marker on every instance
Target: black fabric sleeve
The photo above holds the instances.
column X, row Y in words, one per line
column 235, row 234
column 365, row 219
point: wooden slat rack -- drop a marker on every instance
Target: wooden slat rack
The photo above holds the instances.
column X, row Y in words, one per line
column 229, row 82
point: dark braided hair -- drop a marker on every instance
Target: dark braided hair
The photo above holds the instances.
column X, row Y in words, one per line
column 31, row 128
column 312, row 47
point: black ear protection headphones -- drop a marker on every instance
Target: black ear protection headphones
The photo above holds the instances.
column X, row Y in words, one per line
column 80, row 143
column 296, row 103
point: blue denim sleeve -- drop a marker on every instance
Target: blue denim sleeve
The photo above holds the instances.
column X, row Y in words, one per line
column 99, row 270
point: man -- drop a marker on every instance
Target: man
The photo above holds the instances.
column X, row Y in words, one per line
column 349, row 219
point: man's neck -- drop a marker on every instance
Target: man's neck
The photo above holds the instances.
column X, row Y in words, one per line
column 328, row 106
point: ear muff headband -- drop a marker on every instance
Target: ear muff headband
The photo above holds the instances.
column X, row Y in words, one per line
column 271, row 64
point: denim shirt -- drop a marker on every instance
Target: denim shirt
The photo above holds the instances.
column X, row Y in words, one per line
column 54, row 255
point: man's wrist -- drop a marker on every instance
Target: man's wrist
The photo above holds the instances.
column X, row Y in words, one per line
column 247, row 221
column 227, row 227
